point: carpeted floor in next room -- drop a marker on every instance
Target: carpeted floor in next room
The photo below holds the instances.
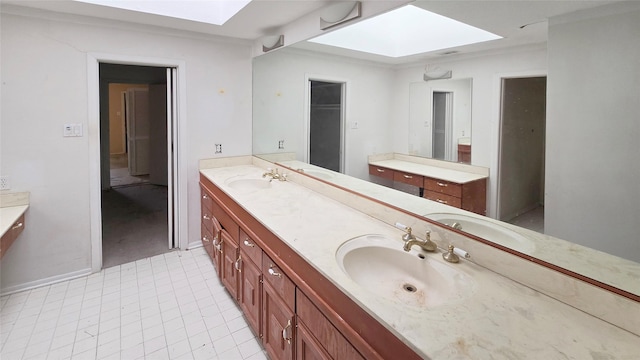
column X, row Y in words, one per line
column 134, row 223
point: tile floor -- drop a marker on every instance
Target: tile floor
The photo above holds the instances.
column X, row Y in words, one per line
column 169, row 306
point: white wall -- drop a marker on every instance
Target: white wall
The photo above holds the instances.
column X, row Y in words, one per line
column 593, row 167
column 486, row 71
column 44, row 85
column 279, row 104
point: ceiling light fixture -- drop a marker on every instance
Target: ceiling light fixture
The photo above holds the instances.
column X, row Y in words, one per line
column 272, row 42
column 436, row 74
column 352, row 11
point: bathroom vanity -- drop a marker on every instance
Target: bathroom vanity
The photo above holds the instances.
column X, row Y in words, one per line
column 286, row 250
column 458, row 185
column 12, row 218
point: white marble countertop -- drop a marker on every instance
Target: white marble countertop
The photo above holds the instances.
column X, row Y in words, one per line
column 437, row 172
column 501, row 319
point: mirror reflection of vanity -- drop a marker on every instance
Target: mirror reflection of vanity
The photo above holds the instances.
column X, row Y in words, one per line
column 389, row 110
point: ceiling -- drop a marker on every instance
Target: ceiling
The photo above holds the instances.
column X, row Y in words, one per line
column 262, row 17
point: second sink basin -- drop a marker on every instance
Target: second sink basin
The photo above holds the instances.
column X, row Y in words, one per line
column 486, row 230
column 381, row 266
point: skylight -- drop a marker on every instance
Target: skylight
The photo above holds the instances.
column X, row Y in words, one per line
column 406, row 31
column 215, row 12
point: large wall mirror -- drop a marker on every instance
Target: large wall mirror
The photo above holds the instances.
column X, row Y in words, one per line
column 389, row 108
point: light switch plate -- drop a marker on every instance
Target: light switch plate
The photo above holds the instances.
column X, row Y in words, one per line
column 72, row 130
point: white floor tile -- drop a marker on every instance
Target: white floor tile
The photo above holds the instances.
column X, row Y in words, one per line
column 171, row 306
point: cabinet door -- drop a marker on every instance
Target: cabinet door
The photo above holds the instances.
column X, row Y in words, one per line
column 307, row 347
column 277, row 325
column 229, row 272
column 250, row 291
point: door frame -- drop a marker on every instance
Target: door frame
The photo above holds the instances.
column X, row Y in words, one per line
column 343, row 116
column 93, row 134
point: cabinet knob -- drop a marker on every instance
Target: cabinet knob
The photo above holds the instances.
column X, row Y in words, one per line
column 204, row 238
column 204, row 196
column 285, row 332
column 380, row 170
column 17, row 226
column 408, row 176
column 441, row 184
column 247, row 243
column 273, row 272
column 442, row 201
column 206, row 217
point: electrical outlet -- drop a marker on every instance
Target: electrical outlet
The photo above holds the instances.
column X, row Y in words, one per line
column 280, row 144
column 4, row 183
column 218, row 148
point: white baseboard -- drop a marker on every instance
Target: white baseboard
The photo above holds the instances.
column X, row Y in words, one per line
column 44, row 282
column 194, row 245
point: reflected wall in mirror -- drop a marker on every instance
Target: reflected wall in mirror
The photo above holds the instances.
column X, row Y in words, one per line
column 591, row 192
column 440, row 119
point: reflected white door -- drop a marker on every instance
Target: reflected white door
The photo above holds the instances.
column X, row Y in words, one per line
column 138, row 131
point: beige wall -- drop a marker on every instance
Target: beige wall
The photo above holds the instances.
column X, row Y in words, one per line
column 116, row 116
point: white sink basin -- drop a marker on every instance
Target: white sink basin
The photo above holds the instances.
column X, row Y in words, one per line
column 415, row 279
column 486, row 230
column 249, row 184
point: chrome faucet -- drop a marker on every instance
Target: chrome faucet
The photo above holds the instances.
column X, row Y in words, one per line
column 427, row 244
column 273, row 174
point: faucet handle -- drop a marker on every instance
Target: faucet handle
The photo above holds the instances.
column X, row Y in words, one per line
column 454, row 254
column 408, row 236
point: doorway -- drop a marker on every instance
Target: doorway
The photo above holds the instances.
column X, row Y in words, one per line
column 135, row 195
column 326, row 124
column 522, row 152
column 442, row 118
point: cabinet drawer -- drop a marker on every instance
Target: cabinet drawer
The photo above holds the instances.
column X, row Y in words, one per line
column 381, row 172
column 206, row 199
column 408, row 178
column 207, row 239
column 443, row 198
column 226, row 221
column 444, row 187
column 279, row 281
column 251, row 249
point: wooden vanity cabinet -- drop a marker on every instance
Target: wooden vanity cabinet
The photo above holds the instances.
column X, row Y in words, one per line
column 11, row 235
column 470, row 196
column 297, row 311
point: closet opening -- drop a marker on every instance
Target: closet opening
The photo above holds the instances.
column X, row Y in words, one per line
column 326, row 124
